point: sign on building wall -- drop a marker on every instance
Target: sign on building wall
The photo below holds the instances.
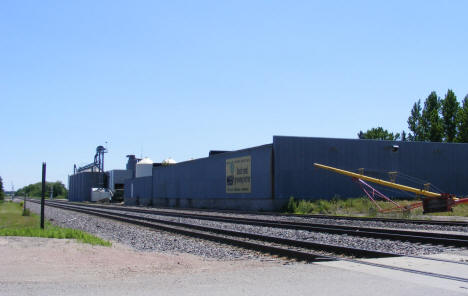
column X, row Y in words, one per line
column 238, row 175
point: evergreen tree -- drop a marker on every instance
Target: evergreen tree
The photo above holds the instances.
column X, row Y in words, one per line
column 2, row 193
column 450, row 112
column 378, row 134
column 414, row 123
column 430, row 119
column 403, row 136
column 463, row 122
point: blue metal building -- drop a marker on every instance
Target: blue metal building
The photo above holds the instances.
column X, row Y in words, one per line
column 443, row 164
column 264, row 177
column 80, row 184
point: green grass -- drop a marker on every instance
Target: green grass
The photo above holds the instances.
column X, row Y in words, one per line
column 13, row 223
column 361, row 206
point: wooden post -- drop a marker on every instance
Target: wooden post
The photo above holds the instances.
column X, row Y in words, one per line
column 43, row 193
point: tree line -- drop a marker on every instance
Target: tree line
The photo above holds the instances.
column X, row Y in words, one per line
column 35, row 190
column 439, row 120
column 2, row 193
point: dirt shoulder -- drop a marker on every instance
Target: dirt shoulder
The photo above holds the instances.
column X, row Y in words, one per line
column 41, row 266
column 28, row 259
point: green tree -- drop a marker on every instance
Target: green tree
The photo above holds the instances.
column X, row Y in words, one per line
column 59, row 189
column 378, row 134
column 450, row 112
column 414, row 123
column 35, row 190
column 403, row 136
column 463, row 122
column 430, row 119
column 2, row 193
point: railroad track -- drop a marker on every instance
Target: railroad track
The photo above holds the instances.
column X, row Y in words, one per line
column 392, row 220
column 333, row 217
column 328, row 217
column 379, row 233
column 177, row 226
column 300, row 250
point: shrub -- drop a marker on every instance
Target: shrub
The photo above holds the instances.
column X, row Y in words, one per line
column 304, row 207
column 291, row 206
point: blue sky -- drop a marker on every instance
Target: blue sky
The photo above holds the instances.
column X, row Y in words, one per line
column 178, row 78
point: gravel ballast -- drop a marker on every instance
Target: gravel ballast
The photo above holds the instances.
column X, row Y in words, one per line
column 145, row 239
column 383, row 245
column 141, row 238
column 331, row 220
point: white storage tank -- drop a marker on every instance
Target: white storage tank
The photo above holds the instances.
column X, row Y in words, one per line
column 144, row 168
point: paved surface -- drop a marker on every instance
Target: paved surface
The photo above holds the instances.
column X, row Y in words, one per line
column 37, row 266
column 437, row 267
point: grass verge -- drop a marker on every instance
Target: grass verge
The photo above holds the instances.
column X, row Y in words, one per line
column 14, row 223
column 361, row 206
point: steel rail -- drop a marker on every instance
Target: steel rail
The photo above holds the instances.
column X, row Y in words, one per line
column 318, row 216
column 271, row 239
column 385, row 220
column 144, row 211
column 412, row 256
column 287, row 252
column 403, row 235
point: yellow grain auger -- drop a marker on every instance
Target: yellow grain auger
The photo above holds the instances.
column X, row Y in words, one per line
column 432, row 202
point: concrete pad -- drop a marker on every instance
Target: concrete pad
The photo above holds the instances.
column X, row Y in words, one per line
column 438, row 267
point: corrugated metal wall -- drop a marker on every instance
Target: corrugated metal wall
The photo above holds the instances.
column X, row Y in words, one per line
column 118, row 177
column 205, row 178
column 442, row 164
column 80, row 185
column 138, row 191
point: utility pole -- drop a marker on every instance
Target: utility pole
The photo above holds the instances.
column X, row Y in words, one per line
column 43, row 193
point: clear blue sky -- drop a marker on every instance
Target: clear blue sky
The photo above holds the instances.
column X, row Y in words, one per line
column 178, row 78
